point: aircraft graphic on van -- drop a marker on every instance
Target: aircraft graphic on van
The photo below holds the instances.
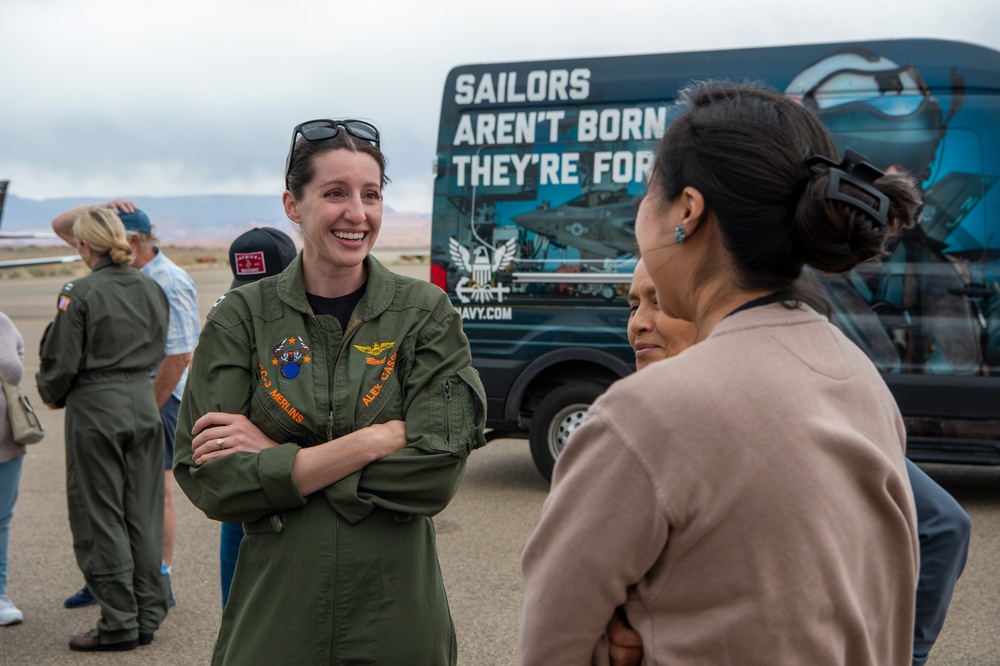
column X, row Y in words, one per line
column 598, row 223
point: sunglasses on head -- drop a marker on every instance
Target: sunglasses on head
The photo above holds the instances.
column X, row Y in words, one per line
column 323, row 129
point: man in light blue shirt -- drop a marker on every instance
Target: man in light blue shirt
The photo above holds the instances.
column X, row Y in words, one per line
column 182, row 335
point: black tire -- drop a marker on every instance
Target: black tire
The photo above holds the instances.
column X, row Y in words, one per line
column 557, row 416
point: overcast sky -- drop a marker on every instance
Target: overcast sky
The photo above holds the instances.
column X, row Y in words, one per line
column 112, row 98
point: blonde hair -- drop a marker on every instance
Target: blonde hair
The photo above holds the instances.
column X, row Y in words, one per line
column 104, row 232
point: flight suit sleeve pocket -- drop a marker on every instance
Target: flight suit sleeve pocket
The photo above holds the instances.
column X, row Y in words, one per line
column 457, row 412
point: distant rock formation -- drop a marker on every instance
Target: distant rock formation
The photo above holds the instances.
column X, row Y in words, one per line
column 211, row 220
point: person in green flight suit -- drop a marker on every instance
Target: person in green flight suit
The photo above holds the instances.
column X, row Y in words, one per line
column 331, row 410
column 96, row 361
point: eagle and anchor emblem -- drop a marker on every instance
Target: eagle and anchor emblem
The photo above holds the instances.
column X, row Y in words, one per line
column 479, row 287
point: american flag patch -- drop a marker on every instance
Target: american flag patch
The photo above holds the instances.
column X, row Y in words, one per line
column 64, row 302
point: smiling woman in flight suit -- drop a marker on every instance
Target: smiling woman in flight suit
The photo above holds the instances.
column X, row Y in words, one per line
column 96, row 359
column 331, row 409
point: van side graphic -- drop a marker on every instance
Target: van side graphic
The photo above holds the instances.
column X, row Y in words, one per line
column 541, row 166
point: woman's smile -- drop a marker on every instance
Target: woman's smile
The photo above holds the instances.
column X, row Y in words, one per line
column 350, row 235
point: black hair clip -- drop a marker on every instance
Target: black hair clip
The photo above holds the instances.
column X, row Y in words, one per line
column 860, row 173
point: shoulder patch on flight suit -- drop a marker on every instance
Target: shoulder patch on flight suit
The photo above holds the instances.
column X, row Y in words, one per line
column 64, row 302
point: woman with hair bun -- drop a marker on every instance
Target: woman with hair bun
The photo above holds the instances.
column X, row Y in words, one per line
column 747, row 500
column 96, row 361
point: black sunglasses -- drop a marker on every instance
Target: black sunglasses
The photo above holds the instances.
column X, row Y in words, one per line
column 323, row 129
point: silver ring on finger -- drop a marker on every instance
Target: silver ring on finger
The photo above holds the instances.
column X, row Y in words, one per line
column 220, row 443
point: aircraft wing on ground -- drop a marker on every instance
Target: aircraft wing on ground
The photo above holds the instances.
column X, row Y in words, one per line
column 14, row 235
column 40, row 261
column 9, row 235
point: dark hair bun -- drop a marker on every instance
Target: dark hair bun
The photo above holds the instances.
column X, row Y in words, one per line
column 834, row 236
column 771, row 175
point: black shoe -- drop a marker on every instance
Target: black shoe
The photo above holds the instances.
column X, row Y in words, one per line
column 146, row 638
column 89, row 641
column 81, row 599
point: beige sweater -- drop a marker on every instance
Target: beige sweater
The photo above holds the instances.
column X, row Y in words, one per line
column 747, row 501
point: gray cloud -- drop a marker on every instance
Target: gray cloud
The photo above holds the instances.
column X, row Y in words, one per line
column 107, row 98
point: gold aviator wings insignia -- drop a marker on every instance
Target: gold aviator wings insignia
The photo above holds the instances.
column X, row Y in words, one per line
column 375, row 349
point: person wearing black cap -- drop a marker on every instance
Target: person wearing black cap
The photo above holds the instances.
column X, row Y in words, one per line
column 171, row 374
column 260, row 252
column 255, row 254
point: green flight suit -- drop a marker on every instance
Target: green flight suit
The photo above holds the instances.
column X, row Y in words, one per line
column 347, row 575
column 96, row 358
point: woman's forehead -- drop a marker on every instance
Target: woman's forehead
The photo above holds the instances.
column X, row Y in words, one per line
column 344, row 158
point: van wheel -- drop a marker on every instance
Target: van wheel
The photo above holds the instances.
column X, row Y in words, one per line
column 557, row 416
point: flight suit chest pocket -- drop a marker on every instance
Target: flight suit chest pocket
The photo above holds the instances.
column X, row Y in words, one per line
column 381, row 399
column 283, row 409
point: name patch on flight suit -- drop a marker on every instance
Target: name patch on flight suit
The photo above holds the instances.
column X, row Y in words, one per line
column 390, row 367
column 278, row 398
column 282, row 402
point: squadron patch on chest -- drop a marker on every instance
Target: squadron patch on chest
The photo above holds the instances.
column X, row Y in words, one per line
column 290, row 354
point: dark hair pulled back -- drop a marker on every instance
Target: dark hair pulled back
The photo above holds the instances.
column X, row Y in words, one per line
column 302, row 168
column 744, row 148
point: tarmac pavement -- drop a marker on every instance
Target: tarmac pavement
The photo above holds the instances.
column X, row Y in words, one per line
column 480, row 538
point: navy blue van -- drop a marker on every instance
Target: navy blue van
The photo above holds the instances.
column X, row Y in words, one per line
column 539, row 171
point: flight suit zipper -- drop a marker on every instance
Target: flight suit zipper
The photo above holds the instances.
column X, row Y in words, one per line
column 351, row 328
